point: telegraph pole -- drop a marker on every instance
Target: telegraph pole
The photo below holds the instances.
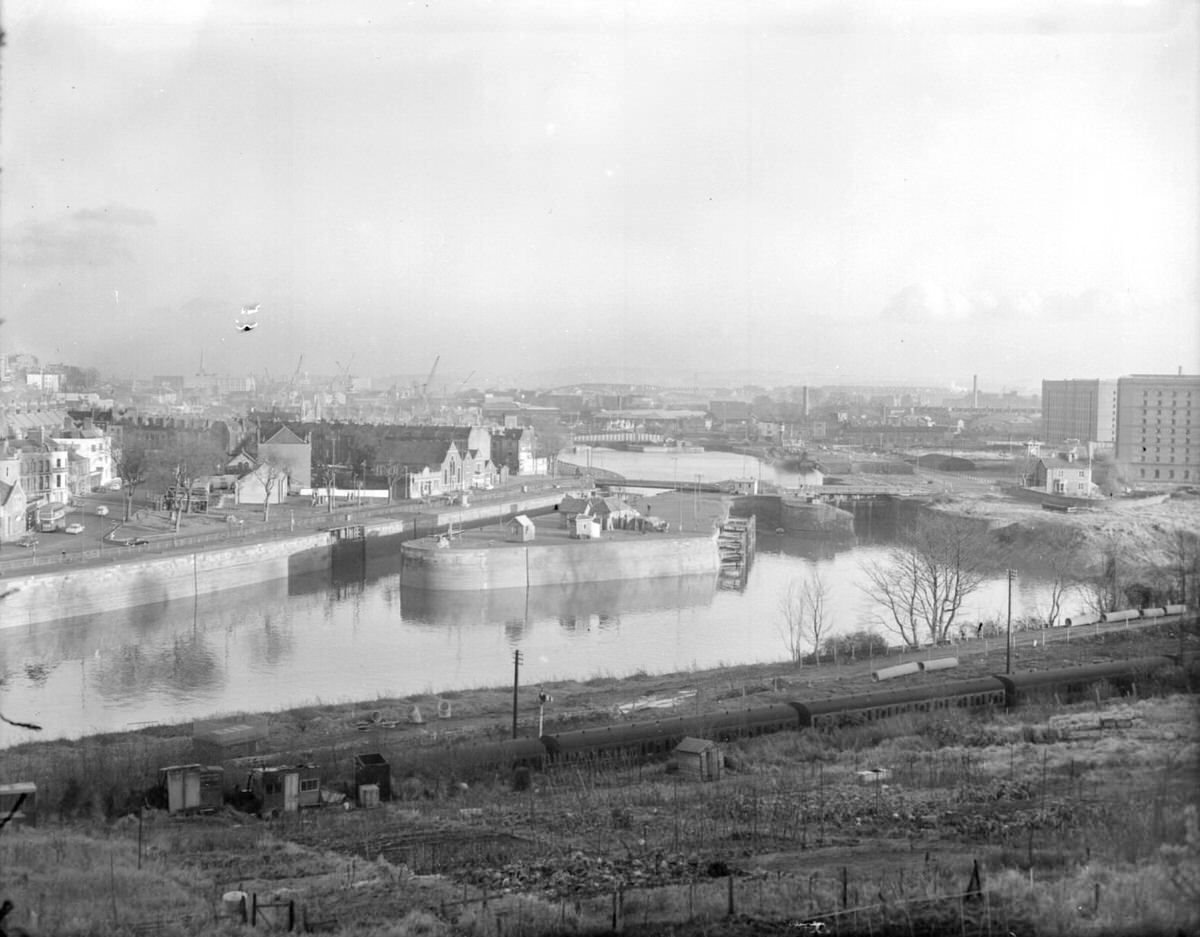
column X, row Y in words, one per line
column 543, row 699
column 1008, row 632
column 516, row 682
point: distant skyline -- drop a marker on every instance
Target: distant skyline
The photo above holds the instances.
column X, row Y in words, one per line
column 839, row 192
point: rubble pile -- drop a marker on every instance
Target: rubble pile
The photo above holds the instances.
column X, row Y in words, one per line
column 580, row 874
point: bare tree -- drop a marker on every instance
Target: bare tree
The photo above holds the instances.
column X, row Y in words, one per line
column 273, row 475
column 325, row 476
column 923, row 581
column 1105, row 591
column 132, row 463
column 186, row 457
column 393, row 472
column 1184, row 553
column 1057, row 559
column 804, row 615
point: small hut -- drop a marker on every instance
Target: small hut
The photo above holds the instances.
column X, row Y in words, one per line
column 24, row 794
column 285, row 789
column 373, row 769
column 192, row 787
column 584, row 527
column 520, row 529
column 699, row 759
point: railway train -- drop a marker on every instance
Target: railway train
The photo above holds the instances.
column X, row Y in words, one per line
column 645, row 740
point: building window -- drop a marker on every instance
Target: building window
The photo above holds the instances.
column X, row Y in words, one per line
column 308, row 785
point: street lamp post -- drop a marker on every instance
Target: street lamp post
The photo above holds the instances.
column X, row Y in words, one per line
column 1008, row 630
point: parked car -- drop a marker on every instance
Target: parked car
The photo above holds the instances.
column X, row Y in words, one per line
column 73, row 529
column 138, row 542
column 28, row 540
column 102, row 511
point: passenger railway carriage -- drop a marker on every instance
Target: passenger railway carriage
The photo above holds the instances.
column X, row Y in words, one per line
column 657, row 738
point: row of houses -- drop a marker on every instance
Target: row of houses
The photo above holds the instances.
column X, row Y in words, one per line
column 409, row 461
column 46, row 459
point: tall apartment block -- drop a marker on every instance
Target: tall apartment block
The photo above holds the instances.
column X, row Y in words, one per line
column 1085, row 410
column 1158, row 427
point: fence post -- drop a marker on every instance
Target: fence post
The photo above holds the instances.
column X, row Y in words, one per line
column 731, row 908
column 845, row 882
column 254, row 909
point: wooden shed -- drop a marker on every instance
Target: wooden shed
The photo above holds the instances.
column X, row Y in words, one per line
column 192, row 787
column 285, row 789
column 699, row 759
column 20, row 800
column 520, row 529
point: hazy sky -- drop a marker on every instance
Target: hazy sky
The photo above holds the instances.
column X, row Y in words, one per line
column 827, row 190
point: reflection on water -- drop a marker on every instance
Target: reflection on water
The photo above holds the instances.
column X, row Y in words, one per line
column 179, row 670
column 286, row 643
column 563, row 602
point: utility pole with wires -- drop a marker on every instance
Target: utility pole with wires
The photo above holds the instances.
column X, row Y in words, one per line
column 543, row 699
column 1008, row 631
column 517, row 658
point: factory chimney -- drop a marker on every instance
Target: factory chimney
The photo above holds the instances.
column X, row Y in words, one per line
column 974, row 391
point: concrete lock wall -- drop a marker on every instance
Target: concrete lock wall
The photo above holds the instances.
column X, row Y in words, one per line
column 425, row 566
column 157, row 579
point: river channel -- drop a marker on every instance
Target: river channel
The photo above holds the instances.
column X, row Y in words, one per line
column 356, row 635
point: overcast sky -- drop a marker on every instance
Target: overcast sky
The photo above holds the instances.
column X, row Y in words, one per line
column 891, row 191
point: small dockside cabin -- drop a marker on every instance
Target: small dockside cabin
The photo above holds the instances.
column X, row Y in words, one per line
column 698, row 759
column 521, row 529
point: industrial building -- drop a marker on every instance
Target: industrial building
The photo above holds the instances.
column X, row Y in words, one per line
column 1080, row 409
column 1158, row 427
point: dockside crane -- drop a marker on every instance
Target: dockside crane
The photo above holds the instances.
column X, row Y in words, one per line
column 429, row 380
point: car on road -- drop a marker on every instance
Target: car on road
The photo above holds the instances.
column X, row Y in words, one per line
column 102, row 511
column 73, row 529
column 27, row 541
column 138, row 542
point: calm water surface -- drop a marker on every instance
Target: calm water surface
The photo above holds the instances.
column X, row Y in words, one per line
column 288, row 643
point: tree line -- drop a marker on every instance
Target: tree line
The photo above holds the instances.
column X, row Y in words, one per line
column 920, row 586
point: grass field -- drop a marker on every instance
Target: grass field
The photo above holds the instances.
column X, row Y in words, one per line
column 1073, row 829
